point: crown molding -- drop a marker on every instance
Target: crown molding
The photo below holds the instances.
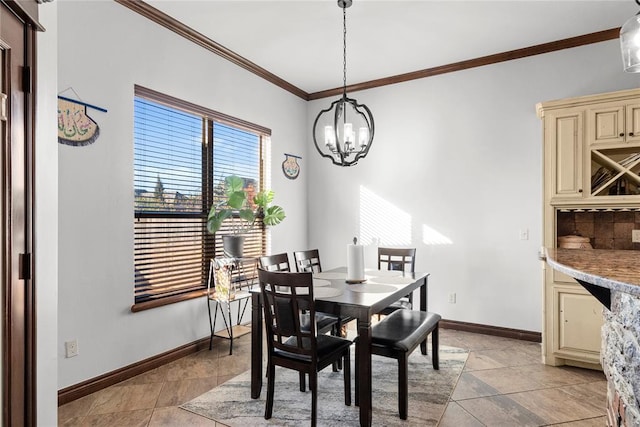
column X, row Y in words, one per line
column 194, row 36
column 539, row 49
column 189, row 33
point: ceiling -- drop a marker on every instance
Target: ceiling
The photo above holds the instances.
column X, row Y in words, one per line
column 301, row 41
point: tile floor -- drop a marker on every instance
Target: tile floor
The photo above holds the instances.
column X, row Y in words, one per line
column 503, row 384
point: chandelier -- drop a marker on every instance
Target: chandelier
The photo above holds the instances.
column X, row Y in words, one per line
column 630, row 43
column 344, row 131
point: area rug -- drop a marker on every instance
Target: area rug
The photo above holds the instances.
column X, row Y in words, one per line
column 429, row 392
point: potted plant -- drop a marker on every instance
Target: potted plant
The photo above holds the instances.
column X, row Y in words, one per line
column 243, row 214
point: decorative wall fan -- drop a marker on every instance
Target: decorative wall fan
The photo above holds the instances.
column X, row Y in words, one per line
column 75, row 127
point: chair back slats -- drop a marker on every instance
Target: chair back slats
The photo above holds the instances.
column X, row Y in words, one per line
column 285, row 319
column 308, row 261
column 288, row 304
column 403, row 259
column 276, row 262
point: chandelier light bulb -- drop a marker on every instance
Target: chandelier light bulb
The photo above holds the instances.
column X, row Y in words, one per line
column 363, row 136
column 329, row 137
column 347, row 134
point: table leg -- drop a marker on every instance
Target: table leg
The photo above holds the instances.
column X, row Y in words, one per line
column 423, row 294
column 423, row 307
column 364, row 369
column 256, row 345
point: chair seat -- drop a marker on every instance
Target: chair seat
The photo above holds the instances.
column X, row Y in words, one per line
column 402, row 304
column 328, row 345
column 404, row 329
column 324, row 322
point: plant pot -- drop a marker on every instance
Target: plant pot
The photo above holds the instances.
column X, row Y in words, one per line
column 233, row 245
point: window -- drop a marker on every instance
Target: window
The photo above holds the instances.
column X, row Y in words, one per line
column 182, row 155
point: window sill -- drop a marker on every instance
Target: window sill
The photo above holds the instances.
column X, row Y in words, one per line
column 167, row 300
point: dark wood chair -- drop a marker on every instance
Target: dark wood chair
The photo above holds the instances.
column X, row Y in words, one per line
column 276, row 262
column 402, row 259
column 396, row 336
column 325, row 322
column 308, row 261
column 280, row 262
column 288, row 305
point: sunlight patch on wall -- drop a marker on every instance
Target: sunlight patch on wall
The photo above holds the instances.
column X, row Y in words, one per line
column 382, row 220
column 434, row 237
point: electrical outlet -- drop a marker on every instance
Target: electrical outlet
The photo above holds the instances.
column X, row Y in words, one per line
column 635, row 236
column 524, row 234
column 71, row 348
column 452, row 298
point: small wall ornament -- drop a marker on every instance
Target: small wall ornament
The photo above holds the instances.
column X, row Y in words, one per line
column 290, row 166
column 75, row 127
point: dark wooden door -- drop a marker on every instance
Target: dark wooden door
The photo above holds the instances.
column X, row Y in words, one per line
column 18, row 343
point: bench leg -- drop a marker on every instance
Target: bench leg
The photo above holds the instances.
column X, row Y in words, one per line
column 403, row 385
column 435, row 348
column 347, row 377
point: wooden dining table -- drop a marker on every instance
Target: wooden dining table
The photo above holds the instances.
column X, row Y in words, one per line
column 360, row 301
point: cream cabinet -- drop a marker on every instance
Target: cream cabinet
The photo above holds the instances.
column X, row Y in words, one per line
column 576, row 315
column 564, row 147
column 614, row 123
column 572, row 322
column 591, row 162
column 592, row 149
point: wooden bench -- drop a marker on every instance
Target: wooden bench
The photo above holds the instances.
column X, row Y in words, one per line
column 396, row 336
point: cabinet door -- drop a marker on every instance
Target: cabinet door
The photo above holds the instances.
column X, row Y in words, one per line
column 632, row 122
column 579, row 320
column 564, row 134
column 605, row 124
column 615, row 161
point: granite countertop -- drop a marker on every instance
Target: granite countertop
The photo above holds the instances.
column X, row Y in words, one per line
column 617, row 270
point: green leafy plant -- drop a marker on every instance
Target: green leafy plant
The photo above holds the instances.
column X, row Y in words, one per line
column 243, row 214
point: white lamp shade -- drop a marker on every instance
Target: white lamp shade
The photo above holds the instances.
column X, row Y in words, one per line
column 348, row 133
column 630, row 44
column 363, row 136
column 329, row 136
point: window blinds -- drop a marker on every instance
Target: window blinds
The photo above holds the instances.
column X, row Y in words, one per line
column 181, row 159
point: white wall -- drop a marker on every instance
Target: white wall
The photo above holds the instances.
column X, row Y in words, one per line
column 104, row 49
column 459, row 153
column 462, row 154
column 46, row 219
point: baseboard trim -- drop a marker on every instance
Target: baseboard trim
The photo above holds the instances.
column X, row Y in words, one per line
column 92, row 385
column 491, row 330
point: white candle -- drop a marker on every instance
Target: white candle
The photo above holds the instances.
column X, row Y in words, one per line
column 329, row 137
column 348, row 133
column 363, row 136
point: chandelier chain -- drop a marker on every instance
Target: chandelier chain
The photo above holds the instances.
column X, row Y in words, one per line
column 344, row 51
